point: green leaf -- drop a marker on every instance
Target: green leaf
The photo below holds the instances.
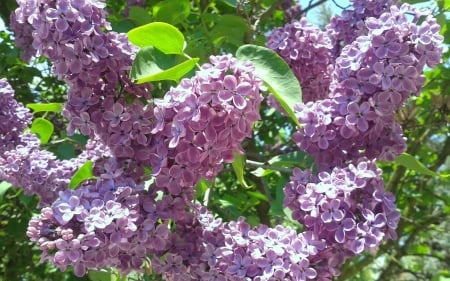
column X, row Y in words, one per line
column 258, row 195
column 238, row 167
column 83, row 173
column 261, row 172
column 100, row 275
column 172, row 11
column 4, row 186
column 292, row 159
column 65, row 151
column 43, row 128
column 139, row 15
column 45, row 107
column 163, row 36
column 230, row 29
column 275, row 72
column 410, row 162
column 152, row 65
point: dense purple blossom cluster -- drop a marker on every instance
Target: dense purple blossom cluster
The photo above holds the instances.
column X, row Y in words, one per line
column 352, row 83
column 202, row 122
column 373, row 75
column 14, row 118
column 344, row 29
column 24, row 164
column 108, row 222
column 347, row 208
column 95, row 63
column 307, row 50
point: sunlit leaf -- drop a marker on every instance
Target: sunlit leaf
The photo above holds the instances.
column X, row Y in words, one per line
column 275, row 72
column 101, row 275
column 45, row 107
column 43, row 128
column 163, row 36
column 152, row 65
column 83, row 173
column 4, row 186
column 238, row 167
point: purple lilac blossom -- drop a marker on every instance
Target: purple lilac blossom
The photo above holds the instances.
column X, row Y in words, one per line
column 307, row 50
column 112, row 221
column 202, row 121
column 373, row 76
column 23, row 163
column 14, row 118
column 107, row 222
column 346, row 208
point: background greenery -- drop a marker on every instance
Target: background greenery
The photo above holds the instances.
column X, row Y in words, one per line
column 422, row 251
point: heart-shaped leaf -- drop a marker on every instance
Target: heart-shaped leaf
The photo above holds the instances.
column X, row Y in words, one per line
column 153, row 65
column 163, row 36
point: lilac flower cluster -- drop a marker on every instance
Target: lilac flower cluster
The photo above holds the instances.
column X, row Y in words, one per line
column 347, row 207
column 95, row 63
column 23, row 38
column 372, row 78
column 38, row 171
column 108, row 222
column 24, row 164
column 292, row 10
column 345, row 28
column 307, row 50
column 14, row 118
column 205, row 248
column 202, row 121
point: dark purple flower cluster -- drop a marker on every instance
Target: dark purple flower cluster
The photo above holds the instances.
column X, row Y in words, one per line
column 14, row 118
column 345, row 28
column 347, row 207
column 307, row 50
column 108, row 222
column 292, row 10
column 202, row 122
column 23, row 38
column 23, row 163
column 95, row 63
column 205, row 248
column 38, row 171
column 372, row 78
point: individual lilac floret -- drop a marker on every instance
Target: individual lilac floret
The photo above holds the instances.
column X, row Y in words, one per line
column 307, row 50
column 347, row 207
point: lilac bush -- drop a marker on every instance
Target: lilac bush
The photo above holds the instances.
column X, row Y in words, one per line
column 149, row 156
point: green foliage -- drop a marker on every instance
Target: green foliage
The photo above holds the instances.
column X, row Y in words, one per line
column 45, row 107
column 152, row 65
column 275, row 72
column 43, row 128
column 82, row 174
column 164, row 37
